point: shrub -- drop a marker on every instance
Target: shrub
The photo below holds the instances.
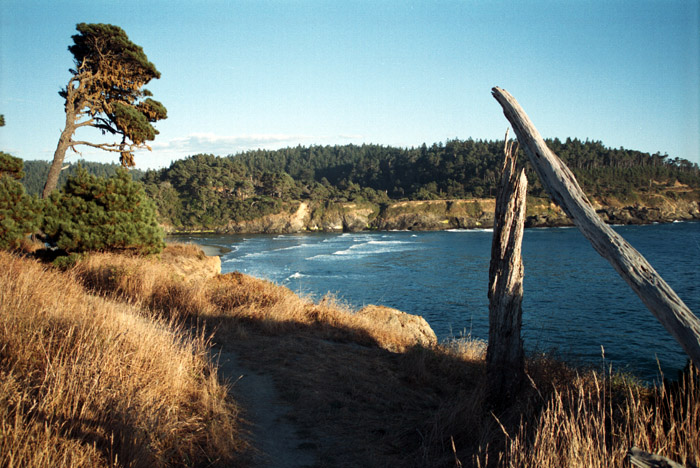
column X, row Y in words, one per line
column 20, row 214
column 96, row 213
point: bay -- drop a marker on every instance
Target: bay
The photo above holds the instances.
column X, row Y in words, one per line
column 575, row 304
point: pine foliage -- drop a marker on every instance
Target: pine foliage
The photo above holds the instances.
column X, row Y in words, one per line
column 20, row 214
column 206, row 191
column 96, row 213
column 35, row 173
column 111, row 71
column 106, row 91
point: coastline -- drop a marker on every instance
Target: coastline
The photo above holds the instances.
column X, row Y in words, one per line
column 210, row 250
column 434, row 215
column 217, row 250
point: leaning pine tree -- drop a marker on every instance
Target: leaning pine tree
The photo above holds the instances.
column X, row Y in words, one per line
column 99, row 214
column 106, row 91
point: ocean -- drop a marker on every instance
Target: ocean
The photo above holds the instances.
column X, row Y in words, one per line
column 574, row 303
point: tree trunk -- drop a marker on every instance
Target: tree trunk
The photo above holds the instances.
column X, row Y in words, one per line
column 562, row 186
column 504, row 356
column 59, row 155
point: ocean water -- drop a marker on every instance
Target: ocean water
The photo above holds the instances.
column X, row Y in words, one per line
column 574, row 302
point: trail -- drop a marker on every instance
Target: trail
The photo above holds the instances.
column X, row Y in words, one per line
column 274, row 437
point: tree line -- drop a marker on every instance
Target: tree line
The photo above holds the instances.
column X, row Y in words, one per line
column 35, row 173
column 106, row 90
column 202, row 190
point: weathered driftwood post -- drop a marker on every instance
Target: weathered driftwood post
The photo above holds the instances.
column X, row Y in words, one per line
column 641, row 459
column 504, row 355
column 562, row 186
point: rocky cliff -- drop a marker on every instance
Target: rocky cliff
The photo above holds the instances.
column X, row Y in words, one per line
column 432, row 215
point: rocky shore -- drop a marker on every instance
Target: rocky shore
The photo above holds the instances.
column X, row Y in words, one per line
column 435, row 215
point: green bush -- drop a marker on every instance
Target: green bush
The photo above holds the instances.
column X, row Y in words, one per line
column 20, row 214
column 97, row 213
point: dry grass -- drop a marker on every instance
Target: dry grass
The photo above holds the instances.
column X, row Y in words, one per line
column 267, row 307
column 86, row 381
column 593, row 421
column 371, row 398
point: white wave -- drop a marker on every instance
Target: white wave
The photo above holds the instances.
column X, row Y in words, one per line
column 294, row 247
column 392, row 242
column 318, row 257
column 470, row 230
column 232, row 260
column 254, row 255
column 364, row 249
column 288, row 237
column 296, row 275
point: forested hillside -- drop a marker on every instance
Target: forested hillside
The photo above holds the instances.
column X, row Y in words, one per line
column 35, row 173
column 207, row 191
column 203, row 190
column 459, row 169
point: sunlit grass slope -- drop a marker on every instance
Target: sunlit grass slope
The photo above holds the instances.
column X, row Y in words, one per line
column 140, row 391
column 86, row 381
column 388, row 402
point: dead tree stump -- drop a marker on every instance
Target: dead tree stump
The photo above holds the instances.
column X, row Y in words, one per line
column 562, row 186
column 504, row 355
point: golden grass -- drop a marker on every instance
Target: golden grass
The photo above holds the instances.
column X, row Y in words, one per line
column 371, row 398
column 85, row 381
column 269, row 307
column 594, row 420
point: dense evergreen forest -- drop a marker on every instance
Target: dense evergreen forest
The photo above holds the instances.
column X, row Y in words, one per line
column 35, row 173
column 204, row 190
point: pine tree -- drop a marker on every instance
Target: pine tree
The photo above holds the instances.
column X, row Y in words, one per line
column 20, row 214
column 106, row 92
column 97, row 213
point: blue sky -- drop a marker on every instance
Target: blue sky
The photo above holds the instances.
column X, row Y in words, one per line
column 240, row 75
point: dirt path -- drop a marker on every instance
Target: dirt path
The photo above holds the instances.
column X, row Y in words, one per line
column 274, row 437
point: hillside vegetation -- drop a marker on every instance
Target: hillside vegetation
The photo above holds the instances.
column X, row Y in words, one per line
column 234, row 193
column 35, row 173
column 95, row 373
column 205, row 191
column 87, row 381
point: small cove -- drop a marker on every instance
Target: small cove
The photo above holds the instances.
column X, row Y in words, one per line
column 575, row 303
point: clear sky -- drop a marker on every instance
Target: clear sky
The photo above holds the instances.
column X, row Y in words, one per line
column 238, row 75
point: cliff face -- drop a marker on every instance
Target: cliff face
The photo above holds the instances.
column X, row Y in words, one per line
column 646, row 210
column 433, row 215
column 436, row 215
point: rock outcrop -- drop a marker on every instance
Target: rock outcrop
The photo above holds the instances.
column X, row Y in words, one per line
column 413, row 327
column 345, row 217
column 434, row 215
column 190, row 262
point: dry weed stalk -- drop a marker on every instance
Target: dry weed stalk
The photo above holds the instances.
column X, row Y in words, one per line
column 593, row 420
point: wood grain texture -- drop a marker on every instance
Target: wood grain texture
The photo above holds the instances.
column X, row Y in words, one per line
column 642, row 459
column 562, row 186
column 504, row 355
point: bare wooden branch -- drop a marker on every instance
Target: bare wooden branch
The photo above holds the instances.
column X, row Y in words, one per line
column 562, row 186
column 504, row 355
column 114, row 147
column 642, row 459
